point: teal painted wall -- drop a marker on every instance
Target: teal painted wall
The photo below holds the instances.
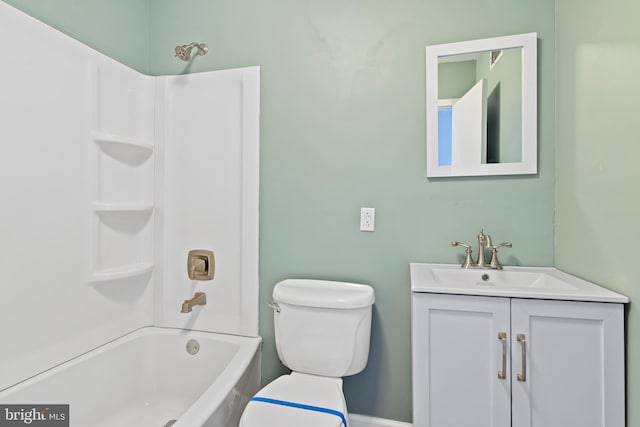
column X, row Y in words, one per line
column 598, row 147
column 455, row 79
column 342, row 127
column 117, row 28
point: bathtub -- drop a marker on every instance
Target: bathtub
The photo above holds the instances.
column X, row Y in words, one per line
column 150, row 378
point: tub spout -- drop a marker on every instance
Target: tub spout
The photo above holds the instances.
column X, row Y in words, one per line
column 198, row 299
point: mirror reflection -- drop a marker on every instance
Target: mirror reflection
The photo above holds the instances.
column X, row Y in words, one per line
column 481, row 107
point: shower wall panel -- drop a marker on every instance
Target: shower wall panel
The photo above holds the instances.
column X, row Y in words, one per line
column 122, row 123
column 76, row 181
column 207, row 157
column 108, row 177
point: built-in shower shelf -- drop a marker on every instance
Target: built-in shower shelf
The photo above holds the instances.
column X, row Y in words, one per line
column 124, row 272
column 121, row 204
column 109, row 139
column 122, row 207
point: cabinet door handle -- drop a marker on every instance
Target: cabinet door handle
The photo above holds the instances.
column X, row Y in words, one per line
column 522, row 376
column 502, row 336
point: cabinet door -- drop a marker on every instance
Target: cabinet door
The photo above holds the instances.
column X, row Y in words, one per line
column 574, row 357
column 457, row 355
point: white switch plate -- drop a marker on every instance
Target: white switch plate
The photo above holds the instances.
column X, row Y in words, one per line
column 367, row 219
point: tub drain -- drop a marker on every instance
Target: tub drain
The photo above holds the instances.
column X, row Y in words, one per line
column 193, row 346
column 170, row 423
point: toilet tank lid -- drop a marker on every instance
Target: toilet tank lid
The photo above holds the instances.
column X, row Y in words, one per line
column 323, row 294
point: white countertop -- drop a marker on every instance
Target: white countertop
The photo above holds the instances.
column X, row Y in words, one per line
column 516, row 282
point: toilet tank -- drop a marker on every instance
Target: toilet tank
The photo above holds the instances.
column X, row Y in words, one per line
column 323, row 327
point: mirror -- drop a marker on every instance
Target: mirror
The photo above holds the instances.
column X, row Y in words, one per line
column 482, row 107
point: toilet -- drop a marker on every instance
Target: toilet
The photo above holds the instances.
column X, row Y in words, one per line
column 322, row 333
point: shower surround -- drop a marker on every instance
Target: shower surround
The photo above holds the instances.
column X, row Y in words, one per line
column 108, row 178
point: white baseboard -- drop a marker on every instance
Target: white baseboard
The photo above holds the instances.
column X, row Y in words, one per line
column 356, row 420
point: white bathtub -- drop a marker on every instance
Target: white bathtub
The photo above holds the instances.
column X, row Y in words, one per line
column 147, row 378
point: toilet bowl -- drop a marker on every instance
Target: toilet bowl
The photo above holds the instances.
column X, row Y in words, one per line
column 322, row 332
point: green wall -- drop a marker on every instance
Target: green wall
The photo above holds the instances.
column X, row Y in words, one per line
column 598, row 147
column 117, row 28
column 455, row 78
column 342, row 127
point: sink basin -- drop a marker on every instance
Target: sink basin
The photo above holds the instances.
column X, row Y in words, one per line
column 521, row 282
column 517, row 279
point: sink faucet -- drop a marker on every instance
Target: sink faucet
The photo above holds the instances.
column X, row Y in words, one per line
column 198, row 299
column 494, row 263
column 484, row 242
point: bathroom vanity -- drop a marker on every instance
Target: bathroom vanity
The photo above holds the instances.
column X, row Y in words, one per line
column 515, row 347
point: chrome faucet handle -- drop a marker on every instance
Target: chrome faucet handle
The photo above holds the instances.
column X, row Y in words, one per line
column 468, row 260
column 494, row 263
column 503, row 244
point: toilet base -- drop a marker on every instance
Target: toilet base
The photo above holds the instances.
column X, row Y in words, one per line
column 298, row 400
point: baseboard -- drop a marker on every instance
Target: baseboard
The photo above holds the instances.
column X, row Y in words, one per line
column 356, row 420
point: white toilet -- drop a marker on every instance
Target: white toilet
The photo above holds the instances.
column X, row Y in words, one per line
column 322, row 332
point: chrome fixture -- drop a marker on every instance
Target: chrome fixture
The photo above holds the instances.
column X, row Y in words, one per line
column 494, row 263
column 198, row 299
column 184, row 52
column 201, row 264
column 193, row 346
column 468, row 260
column 274, row 306
column 522, row 375
column 502, row 336
column 484, row 242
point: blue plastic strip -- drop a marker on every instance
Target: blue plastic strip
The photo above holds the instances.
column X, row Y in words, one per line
column 302, row 406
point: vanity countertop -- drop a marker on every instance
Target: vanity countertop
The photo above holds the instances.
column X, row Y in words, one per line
column 516, row 282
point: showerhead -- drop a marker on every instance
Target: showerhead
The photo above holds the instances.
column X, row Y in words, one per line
column 184, row 52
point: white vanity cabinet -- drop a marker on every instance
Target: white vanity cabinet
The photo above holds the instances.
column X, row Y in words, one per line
column 496, row 361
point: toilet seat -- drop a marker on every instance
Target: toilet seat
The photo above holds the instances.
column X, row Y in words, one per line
column 297, row 400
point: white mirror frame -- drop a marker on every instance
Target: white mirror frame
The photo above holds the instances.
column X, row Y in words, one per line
column 529, row 163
